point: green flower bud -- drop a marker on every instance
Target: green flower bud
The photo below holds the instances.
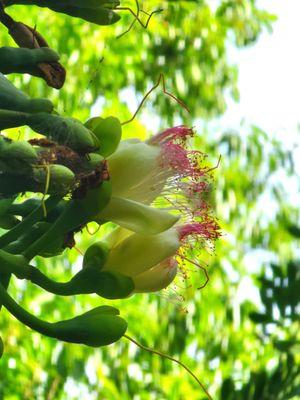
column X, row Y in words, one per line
column 108, row 131
column 66, row 131
column 98, row 327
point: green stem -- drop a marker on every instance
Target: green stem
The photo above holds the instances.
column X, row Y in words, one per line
column 4, row 279
column 77, row 213
column 24, row 316
column 58, row 288
column 27, row 223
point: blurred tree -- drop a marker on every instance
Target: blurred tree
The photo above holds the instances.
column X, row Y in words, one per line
column 229, row 352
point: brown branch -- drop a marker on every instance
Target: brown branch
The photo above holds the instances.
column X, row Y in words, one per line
column 160, row 79
column 171, row 359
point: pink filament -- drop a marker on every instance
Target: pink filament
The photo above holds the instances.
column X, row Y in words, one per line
column 178, row 132
column 208, row 229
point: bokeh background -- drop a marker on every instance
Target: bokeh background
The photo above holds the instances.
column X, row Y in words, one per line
column 236, row 65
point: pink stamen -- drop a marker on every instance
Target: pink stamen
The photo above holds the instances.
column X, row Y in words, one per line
column 172, row 134
column 208, row 229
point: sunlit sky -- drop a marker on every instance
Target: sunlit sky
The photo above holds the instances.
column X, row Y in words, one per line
column 269, row 75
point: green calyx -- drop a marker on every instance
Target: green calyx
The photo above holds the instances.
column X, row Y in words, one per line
column 95, row 256
column 108, row 132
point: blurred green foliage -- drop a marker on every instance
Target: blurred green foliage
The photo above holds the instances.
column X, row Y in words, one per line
column 227, row 333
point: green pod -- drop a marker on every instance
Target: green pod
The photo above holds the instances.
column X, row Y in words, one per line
column 61, row 178
column 22, row 60
column 12, row 184
column 95, row 256
column 63, row 130
column 14, row 99
column 12, row 119
column 78, row 212
column 61, row 181
column 95, row 328
column 108, row 131
column 99, row 15
column 73, row 3
column 16, row 157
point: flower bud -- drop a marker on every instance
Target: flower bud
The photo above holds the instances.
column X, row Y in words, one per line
column 98, row 327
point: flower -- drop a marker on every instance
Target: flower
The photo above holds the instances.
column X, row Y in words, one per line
column 152, row 261
column 159, row 194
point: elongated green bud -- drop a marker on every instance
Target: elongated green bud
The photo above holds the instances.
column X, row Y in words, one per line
column 26, row 207
column 12, row 119
column 13, row 99
column 66, row 131
column 61, row 181
column 137, row 217
column 61, row 178
column 21, row 60
column 98, row 327
column 108, row 131
column 97, row 15
column 16, row 157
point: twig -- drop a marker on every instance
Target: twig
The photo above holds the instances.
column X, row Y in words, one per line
column 137, row 17
column 171, row 359
column 160, row 79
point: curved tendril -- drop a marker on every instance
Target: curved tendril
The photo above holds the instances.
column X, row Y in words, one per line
column 137, row 17
column 171, row 359
column 161, row 79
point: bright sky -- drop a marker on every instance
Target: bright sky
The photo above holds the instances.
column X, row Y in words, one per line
column 269, row 75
